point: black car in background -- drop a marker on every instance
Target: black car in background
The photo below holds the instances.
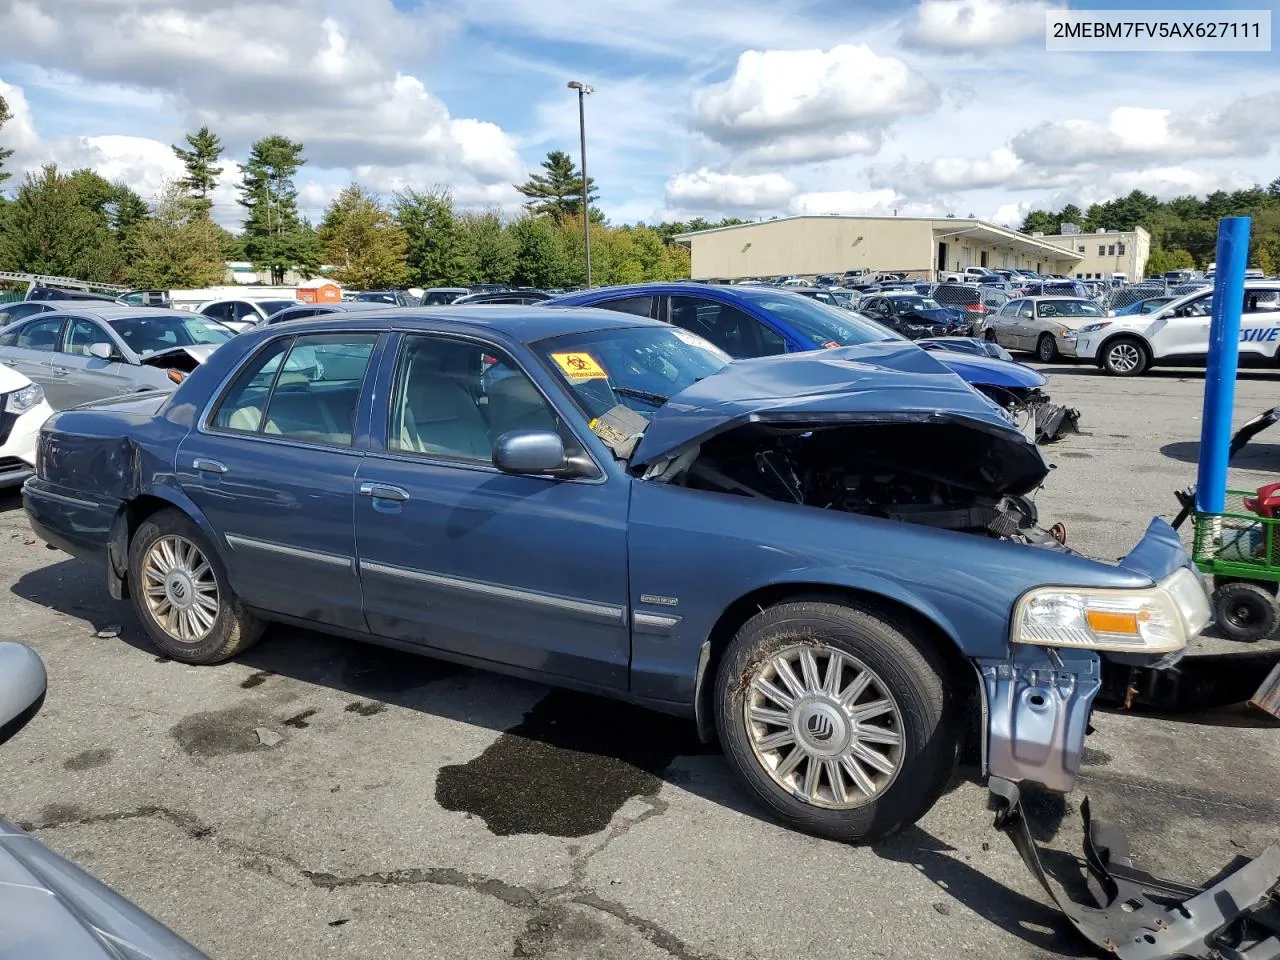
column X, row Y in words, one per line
column 393, row 298
column 522, row 297
column 912, row 315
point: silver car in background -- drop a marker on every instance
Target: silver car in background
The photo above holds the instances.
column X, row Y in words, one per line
column 1045, row 326
column 90, row 351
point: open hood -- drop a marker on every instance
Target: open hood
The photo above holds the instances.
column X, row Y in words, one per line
column 198, row 352
column 876, row 383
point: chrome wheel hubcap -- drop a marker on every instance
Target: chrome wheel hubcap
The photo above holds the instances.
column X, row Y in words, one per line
column 1124, row 357
column 180, row 589
column 824, row 726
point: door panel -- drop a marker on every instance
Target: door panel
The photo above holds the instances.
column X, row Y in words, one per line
column 276, row 480
column 1187, row 332
column 453, row 554
column 84, row 377
column 32, row 356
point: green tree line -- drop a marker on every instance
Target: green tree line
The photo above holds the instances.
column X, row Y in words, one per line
column 1184, row 230
column 76, row 224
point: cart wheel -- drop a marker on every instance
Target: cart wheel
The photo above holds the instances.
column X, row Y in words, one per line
column 1245, row 611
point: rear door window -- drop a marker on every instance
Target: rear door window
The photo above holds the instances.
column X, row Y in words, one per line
column 304, row 388
column 733, row 331
column 640, row 306
column 40, row 335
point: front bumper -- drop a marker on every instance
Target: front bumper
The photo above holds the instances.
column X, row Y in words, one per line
column 1037, row 705
column 1087, row 345
column 18, row 436
column 1066, row 348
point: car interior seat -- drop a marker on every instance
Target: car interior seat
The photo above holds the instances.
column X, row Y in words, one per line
column 436, row 414
column 516, row 404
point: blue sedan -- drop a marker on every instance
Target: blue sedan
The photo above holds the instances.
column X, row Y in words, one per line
column 759, row 321
column 826, row 560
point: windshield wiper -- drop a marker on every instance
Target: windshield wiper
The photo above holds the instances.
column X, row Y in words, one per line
column 648, row 395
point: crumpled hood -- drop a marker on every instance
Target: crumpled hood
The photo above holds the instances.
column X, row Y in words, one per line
column 887, row 381
column 990, row 371
column 11, row 380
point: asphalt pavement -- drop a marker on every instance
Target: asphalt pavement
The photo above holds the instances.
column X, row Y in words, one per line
column 321, row 798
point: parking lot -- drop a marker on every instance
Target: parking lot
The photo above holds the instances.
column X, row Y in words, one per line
column 321, row 798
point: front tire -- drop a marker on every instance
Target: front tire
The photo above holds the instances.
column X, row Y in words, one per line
column 1125, row 357
column 1046, row 349
column 181, row 595
column 837, row 717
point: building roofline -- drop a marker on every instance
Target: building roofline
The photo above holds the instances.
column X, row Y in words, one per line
column 969, row 223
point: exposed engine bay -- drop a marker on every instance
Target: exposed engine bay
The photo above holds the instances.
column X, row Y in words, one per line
column 177, row 358
column 1036, row 415
column 941, row 475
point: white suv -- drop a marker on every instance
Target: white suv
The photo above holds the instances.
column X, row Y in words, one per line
column 1178, row 333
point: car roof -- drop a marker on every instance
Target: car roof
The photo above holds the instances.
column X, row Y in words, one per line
column 116, row 311
column 524, row 323
column 338, row 306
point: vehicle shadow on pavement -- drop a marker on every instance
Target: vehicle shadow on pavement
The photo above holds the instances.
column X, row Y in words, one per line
column 1256, row 456
column 581, row 756
column 10, row 501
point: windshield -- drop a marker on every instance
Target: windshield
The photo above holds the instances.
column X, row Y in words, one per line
column 824, row 325
column 639, row 367
column 903, row 305
column 1070, row 308
column 151, row 334
column 275, row 306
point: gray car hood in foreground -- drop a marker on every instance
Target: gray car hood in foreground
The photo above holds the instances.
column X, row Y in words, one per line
column 884, row 382
column 50, row 908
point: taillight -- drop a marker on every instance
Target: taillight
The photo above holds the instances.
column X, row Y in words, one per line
column 977, row 307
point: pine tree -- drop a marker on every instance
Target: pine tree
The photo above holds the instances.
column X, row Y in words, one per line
column 175, row 246
column 56, row 225
column 362, row 241
column 276, row 239
column 557, row 191
column 201, row 162
column 5, row 117
column 437, row 253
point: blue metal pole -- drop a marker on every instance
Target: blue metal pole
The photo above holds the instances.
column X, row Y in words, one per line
column 1224, row 355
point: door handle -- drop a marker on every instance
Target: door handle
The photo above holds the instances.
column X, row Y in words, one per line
column 202, row 465
column 384, row 491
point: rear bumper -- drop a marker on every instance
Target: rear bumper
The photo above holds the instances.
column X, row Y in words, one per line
column 71, row 520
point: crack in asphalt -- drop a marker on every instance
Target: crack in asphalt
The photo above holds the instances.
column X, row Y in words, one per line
column 549, row 922
column 510, row 894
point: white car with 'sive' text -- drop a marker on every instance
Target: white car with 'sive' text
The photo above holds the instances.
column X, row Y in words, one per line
column 1177, row 334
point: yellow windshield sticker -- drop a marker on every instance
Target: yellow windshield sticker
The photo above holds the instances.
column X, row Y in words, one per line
column 579, row 366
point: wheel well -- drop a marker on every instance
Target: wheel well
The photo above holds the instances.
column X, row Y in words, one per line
column 962, row 675
column 127, row 522
column 1123, row 335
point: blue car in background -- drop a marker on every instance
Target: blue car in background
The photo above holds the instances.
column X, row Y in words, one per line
column 759, row 321
column 1149, row 305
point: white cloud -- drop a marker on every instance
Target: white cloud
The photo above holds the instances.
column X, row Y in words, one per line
column 958, row 25
column 802, row 106
column 1248, row 126
column 998, row 168
column 708, row 191
column 317, row 71
column 19, row 134
column 853, row 203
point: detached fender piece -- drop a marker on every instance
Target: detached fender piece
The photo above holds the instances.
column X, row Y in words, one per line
column 1142, row 917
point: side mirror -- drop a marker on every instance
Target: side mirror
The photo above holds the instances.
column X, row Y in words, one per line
column 530, row 452
column 22, row 687
column 102, row 351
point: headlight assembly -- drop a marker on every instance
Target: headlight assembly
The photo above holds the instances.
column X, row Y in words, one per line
column 20, row 401
column 1159, row 619
column 1095, row 327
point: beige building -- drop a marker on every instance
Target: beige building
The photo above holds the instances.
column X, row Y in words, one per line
column 1107, row 253
column 810, row 245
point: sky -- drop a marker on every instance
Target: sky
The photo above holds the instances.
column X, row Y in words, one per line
column 748, row 108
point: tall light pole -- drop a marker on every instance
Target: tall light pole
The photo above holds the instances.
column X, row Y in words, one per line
column 583, row 90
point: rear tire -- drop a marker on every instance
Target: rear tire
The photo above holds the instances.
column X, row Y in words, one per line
column 854, row 755
column 1046, row 348
column 1125, row 357
column 1245, row 611
column 181, row 595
